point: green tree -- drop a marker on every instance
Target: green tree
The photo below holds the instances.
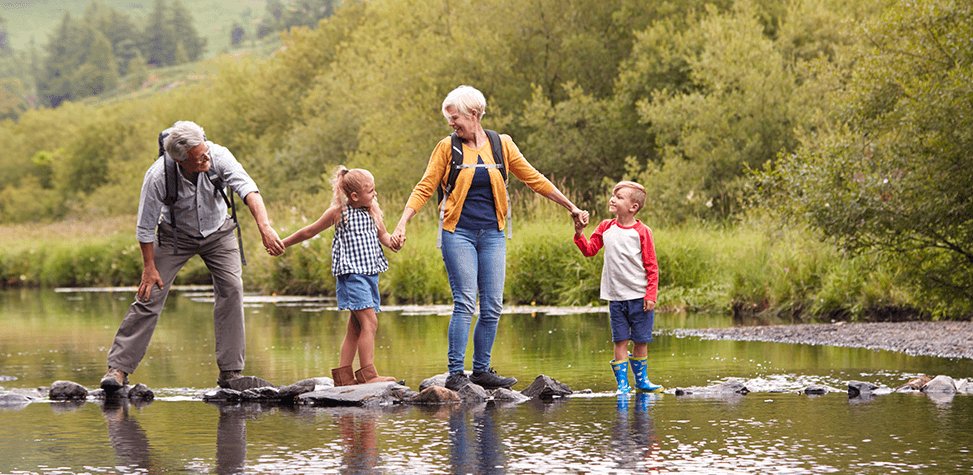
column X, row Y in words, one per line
column 273, row 18
column 187, row 36
column 159, row 39
column 306, row 12
column 890, row 171
column 138, row 71
column 734, row 116
column 237, row 34
column 4, row 37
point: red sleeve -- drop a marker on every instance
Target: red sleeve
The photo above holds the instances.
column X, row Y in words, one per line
column 590, row 248
column 649, row 262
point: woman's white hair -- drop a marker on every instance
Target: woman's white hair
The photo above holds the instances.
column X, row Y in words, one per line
column 466, row 100
column 183, row 135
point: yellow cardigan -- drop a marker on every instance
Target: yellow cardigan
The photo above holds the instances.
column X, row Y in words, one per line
column 437, row 172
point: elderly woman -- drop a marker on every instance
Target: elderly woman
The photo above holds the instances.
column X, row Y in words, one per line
column 473, row 215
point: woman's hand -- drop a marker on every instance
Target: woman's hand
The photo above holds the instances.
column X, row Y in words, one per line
column 398, row 237
column 580, row 217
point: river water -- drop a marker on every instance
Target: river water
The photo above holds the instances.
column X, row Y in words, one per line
column 47, row 336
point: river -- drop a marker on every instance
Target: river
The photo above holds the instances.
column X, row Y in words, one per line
column 48, row 335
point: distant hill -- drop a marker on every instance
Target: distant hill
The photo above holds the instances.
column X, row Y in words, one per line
column 213, row 19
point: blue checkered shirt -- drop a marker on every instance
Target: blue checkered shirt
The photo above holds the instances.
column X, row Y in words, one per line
column 356, row 248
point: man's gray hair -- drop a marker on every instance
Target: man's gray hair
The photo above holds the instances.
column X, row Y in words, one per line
column 465, row 99
column 183, row 135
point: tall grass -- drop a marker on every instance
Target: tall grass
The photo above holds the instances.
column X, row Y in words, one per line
column 749, row 268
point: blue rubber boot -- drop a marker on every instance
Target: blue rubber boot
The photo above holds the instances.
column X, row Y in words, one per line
column 620, row 368
column 642, row 383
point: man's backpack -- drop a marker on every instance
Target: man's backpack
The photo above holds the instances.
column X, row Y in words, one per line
column 171, row 170
column 456, row 164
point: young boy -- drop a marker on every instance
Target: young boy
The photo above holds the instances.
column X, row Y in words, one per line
column 629, row 281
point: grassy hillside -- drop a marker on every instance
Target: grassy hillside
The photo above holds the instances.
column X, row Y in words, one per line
column 36, row 19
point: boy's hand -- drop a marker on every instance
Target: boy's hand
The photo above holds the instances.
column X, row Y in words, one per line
column 648, row 305
column 580, row 218
column 578, row 227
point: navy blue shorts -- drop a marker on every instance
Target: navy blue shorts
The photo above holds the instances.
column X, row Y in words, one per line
column 630, row 322
column 358, row 292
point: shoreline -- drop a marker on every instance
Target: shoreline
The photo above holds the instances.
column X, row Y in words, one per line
column 944, row 339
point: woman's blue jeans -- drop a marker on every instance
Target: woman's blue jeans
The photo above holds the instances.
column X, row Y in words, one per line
column 476, row 263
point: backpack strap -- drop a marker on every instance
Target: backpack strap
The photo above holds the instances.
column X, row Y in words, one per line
column 498, row 157
column 455, row 164
column 497, row 146
column 218, row 187
column 171, row 173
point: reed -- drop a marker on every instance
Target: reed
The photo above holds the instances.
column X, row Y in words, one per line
column 749, row 268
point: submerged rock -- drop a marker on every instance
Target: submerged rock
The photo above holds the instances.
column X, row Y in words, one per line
column 305, row 386
column 508, row 395
column 141, row 392
column 244, row 383
column 14, row 400
column 730, row 387
column 264, row 393
column 816, row 390
column 940, row 384
column 546, row 387
column 860, row 389
column 67, row 391
column 222, row 395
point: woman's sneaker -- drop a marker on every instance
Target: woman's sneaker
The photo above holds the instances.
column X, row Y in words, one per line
column 491, row 380
column 456, row 381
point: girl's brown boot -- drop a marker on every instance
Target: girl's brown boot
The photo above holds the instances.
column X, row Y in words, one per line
column 368, row 374
column 343, row 376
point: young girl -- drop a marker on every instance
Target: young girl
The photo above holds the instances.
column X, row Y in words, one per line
column 356, row 260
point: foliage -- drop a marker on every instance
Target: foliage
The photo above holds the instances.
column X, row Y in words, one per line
column 726, row 102
column 746, row 268
column 686, row 97
column 890, row 173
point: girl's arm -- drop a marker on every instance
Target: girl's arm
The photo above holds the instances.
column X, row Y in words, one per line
column 384, row 237
column 331, row 216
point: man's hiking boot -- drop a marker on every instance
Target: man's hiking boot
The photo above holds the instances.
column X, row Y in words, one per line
column 114, row 380
column 237, row 381
column 457, row 381
column 491, row 380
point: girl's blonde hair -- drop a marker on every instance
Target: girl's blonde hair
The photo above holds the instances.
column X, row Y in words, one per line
column 347, row 181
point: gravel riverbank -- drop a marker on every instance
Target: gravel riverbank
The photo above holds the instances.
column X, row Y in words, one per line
column 944, row 339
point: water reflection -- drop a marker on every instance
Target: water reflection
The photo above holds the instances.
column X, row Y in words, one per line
column 475, row 446
column 231, row 437
column 126, row 436
column 634, row 444
column 357, row 428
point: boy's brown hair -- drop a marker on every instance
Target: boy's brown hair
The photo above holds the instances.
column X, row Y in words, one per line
column 637, row 191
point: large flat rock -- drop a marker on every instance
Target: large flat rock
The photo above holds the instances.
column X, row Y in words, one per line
column 363, row 395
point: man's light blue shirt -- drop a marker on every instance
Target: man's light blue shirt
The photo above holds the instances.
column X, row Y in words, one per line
column 200, row 210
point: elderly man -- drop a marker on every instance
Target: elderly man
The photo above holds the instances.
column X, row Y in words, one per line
column 179, row 188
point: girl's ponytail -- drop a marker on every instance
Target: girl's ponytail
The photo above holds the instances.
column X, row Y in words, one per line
column 345, row 182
